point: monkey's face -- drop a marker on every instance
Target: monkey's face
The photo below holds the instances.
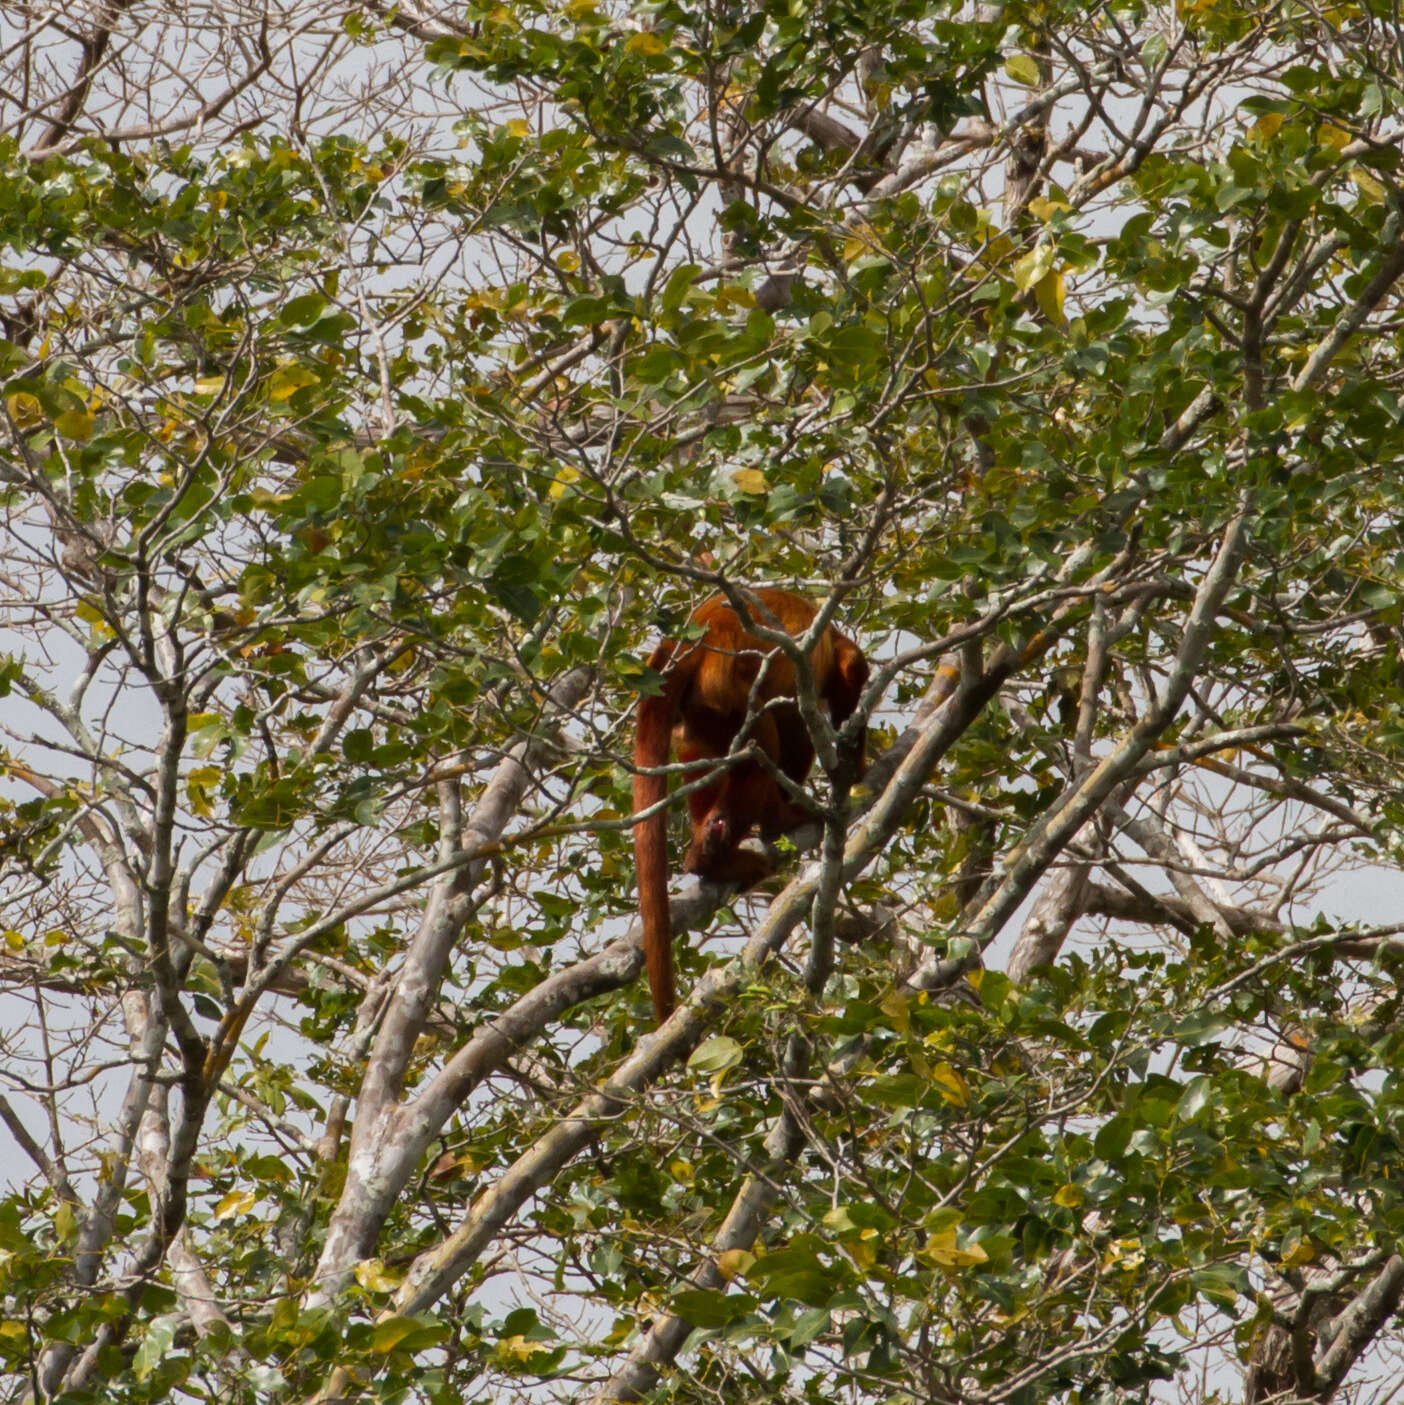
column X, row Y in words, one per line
column 712, row 846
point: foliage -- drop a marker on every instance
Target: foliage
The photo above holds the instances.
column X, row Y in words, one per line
column 378, row 384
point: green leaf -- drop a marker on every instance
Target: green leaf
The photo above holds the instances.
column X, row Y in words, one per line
column 156, row 1343
column 715, row 1055
column 795, row 1272
column 704, row 1308
column 1023, row 68
column 302, row 311
column 407, row 1334
column 1199, row 1094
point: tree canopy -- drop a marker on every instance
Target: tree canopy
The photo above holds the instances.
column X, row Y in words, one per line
column 381, row 382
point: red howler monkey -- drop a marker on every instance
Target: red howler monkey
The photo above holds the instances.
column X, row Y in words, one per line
column 729, row 679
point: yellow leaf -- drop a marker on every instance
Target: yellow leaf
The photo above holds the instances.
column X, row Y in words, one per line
column 1337, row 138
column 25, row 409
column 1049, row 290
column 1000, row 246
column 198, row 785
column 74, row 424
column 565, row 476
column 644, row 43
column 372, row 1275
column 1045, row 207
column 897, row 1009
column 941, row 1250
column 1373, row 191
column 863, row 1253
column 237, row 1202
column 1069, row 1197
column 879, row 94
column 1125, row 1254
column 286, row 381
column 209, row 385
column 860, row 242
column 1033, row 266
column 952, row 1086
column 91, row 616
column 519, row 127
column 1266, row 127
column 1023, row 68
column 733, row 1262
column 749, row 480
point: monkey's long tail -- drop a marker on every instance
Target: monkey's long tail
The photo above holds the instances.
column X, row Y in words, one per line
column 656, row 716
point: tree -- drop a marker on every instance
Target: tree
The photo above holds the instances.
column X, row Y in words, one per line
column 379, row 383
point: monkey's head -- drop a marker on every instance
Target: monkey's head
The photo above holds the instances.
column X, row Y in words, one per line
column 713, row 844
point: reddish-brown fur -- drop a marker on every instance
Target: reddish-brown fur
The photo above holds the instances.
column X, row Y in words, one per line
column 710, row 692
